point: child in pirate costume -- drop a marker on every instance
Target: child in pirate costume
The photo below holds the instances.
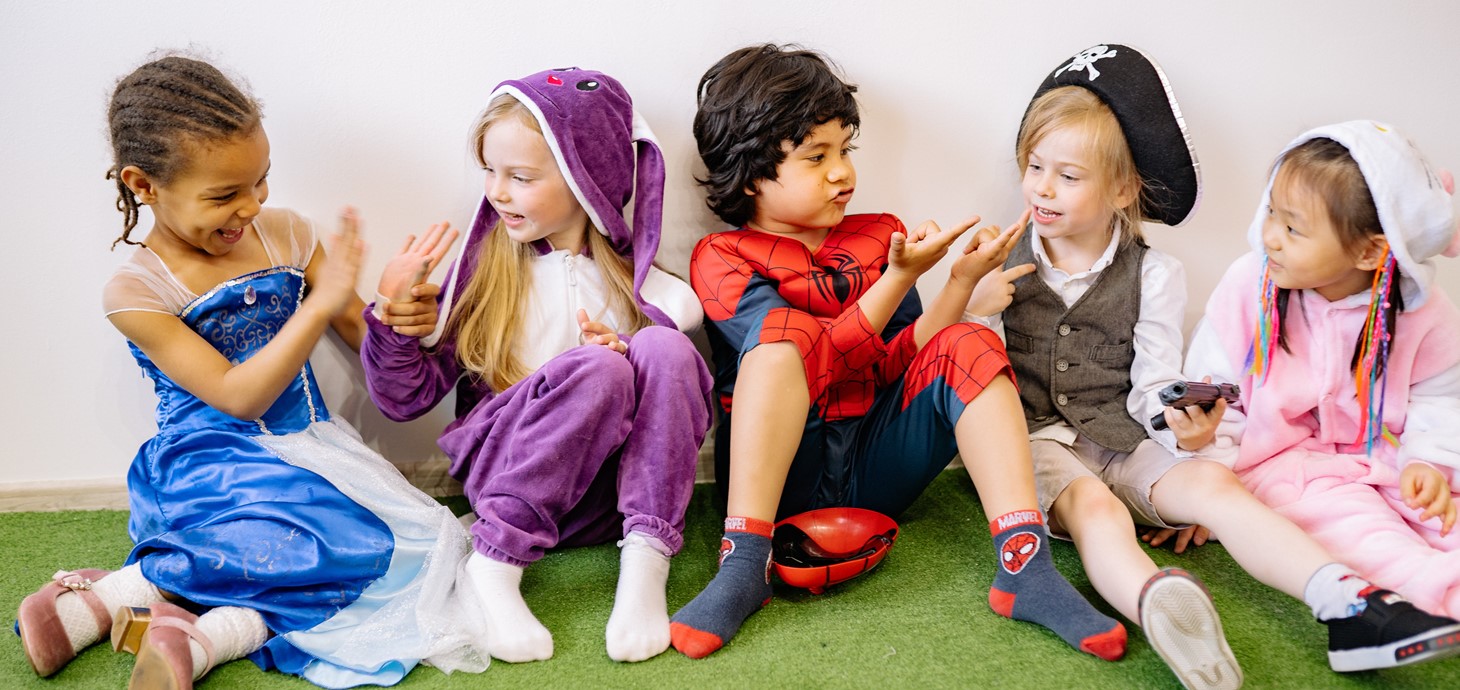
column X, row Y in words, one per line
column 1093, row 328
column 580, row 403
column 1346, row 355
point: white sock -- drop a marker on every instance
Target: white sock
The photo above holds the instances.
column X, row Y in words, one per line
column 514, row 635
column 125, row 587
column 1333, row 592
column 234, row 631
column 638, row 628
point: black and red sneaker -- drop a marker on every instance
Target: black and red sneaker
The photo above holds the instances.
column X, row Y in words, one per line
column 1388, row 632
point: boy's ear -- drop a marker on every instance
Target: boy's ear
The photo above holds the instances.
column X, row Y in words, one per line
column 1125, row 196
column 140, row 184
column 1371, row 257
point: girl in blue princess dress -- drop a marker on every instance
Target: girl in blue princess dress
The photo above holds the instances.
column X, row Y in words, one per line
column 263, row 526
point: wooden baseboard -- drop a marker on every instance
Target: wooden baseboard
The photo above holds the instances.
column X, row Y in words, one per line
column 430, row 476
column 16, row 497
column 51, row 496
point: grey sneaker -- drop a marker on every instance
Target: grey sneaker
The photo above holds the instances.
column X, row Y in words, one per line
column 1182, row 626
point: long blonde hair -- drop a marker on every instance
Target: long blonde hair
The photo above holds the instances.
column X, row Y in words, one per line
column 487, row 313
column 1073, row 106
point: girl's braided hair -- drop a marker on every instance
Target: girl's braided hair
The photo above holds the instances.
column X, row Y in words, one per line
column 161, row 107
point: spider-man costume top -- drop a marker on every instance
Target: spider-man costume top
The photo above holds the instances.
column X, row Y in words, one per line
column 882, row 411
column 757, row 288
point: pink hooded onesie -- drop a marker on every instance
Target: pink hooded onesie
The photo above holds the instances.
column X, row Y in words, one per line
column 1298, row 440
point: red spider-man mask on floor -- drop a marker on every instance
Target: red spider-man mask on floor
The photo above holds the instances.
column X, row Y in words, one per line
column 1017, row 551
column 820, row 548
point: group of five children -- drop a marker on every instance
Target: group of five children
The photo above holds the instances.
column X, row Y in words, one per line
column 265, row 528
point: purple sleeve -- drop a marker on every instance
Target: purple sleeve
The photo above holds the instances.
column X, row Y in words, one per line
column 405, row 381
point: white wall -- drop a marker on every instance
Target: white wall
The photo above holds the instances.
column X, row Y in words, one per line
column 368, row 104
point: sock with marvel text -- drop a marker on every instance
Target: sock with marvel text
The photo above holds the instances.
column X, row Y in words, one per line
column 740, row 588
column 1029, row 588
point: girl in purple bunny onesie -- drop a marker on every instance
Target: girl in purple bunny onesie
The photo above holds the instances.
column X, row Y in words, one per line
column 1346, row 355
column 580, row 404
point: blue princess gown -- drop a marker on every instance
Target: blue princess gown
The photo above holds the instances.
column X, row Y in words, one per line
column 351, row 567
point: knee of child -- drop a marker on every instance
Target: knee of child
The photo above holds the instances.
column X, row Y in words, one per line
column 665, row 345
column 1202, row 480
column 967, row 341
column 773, row 355
column 608, row 366
column 1088, row 500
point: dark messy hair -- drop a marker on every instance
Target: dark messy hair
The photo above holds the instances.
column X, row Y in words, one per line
column 163, row 106
column 750, row 102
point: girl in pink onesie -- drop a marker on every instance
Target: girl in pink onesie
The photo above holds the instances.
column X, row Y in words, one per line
column 1347, row 358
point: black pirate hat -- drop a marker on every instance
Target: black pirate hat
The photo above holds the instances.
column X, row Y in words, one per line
column 1136, row 90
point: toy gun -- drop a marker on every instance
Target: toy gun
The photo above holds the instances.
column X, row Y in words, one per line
column 1187, row 393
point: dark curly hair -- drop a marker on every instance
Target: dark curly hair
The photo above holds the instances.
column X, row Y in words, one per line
column 160, row 106
column 752, row 101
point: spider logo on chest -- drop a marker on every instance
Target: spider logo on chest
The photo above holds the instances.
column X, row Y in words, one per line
column 840, row 278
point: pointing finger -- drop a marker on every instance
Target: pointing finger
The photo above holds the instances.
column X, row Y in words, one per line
column 967, row 223
column 1018, row 272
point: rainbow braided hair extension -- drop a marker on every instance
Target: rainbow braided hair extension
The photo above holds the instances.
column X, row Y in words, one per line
column 1373, row 355
column 1265, row 336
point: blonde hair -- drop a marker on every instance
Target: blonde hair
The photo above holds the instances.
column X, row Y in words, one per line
column 1077, row 107
column 489, row 309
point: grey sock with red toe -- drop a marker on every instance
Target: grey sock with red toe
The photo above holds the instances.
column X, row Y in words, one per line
column 740, row 588
column 1029, row 588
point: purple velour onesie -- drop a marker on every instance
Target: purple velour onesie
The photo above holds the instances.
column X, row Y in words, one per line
column 594, row 444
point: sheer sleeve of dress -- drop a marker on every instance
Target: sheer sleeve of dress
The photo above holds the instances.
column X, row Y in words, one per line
column 289, row 238
column 143, row 283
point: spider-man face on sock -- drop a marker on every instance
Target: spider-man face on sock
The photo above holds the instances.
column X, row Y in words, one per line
column 1017, row 551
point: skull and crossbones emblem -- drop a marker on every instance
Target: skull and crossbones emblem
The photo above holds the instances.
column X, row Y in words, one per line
column 1085, row 60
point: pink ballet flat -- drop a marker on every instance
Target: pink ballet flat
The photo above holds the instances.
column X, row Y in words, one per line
column 165, row 659
column 42, row 636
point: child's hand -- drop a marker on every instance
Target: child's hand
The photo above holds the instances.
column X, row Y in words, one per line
column 1423, row 485
column 1193, row 426
column 1195, row 535
column 415, row 260
column 995, row 291
column 988, row 250
column 335, row 288
column 913, row 254
column 415, row 318
column 595, row 333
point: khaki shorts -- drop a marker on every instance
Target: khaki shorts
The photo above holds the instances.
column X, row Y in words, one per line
column 1129, row 476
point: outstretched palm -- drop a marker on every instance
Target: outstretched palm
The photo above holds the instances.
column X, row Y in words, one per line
column 415, row 260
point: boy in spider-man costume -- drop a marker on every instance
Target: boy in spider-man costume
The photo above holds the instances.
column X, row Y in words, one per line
column 836, row 388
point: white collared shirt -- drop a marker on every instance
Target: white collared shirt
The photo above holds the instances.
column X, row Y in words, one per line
column 1158, row 330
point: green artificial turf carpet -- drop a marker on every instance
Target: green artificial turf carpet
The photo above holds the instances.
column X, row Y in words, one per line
column 921, row 619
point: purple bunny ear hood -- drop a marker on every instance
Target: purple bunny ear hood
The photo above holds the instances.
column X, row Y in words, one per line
column 606, row 153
